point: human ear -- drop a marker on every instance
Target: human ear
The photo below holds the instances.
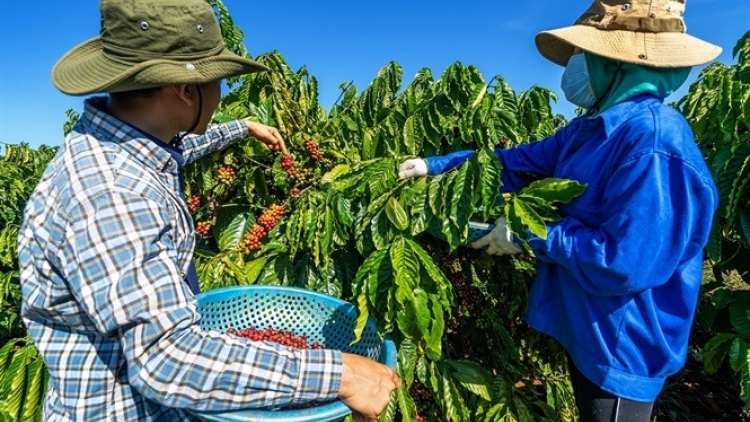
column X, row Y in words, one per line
column 184, row 93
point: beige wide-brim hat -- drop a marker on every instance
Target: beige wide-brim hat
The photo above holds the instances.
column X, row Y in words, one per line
column 644, row 32
column 150, row 43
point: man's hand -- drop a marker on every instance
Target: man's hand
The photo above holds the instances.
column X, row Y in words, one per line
column 412, row 168
column 366, row 386
column 499, row 241
column 268, row 135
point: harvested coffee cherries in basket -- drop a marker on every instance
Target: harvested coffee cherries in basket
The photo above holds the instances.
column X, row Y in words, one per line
column 282, row 337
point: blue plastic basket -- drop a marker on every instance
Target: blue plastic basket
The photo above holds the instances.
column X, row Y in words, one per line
column 323, row 318
column 476, row 230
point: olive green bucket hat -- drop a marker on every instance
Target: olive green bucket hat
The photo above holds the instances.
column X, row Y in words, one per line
column 150, row 43
column 644, row 32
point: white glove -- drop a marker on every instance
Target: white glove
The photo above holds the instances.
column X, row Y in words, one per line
column 413, row 167
column 499, row 241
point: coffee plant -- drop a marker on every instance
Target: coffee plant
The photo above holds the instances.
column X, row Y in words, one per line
column 333, row 217
column 718, row 108
column 22, row 372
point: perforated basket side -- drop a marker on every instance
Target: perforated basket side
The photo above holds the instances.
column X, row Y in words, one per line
column 478, row 230
column 321, row 318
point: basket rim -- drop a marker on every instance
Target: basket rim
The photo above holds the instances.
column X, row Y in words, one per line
column 270, row 287
column 329, row 411
column 480, row 226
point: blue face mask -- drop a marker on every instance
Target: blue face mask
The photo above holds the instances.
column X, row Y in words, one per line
column 576, row 82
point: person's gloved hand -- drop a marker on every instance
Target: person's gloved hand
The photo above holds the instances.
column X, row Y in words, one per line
column 413, row 167
column 499, row 241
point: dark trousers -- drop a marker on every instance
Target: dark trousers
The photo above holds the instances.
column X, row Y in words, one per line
column 597, row 405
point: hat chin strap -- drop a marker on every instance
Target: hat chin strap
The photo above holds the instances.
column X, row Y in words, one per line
column 178, row 139
column 595, row 108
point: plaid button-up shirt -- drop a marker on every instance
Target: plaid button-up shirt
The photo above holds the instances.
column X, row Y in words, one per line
column 106, row 241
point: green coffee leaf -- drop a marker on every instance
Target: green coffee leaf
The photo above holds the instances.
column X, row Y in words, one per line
column 35, row 388
column 555, row 189
column 739, row 355
column 231, row 235
column 473, row 377
column 396, row 214
column 739, row 315
column 715, row 351
column 529, row 218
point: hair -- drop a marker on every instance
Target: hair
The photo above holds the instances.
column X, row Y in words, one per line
column 139, row 94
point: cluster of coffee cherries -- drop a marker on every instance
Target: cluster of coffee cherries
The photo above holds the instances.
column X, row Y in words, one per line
column 467, row 296
column 312, row 148
column 253, row 239
column 298, row 176
column 226, row 175
column 203, row 228
column 194, row 202
column 266, row 222
column 304, row 177
column 287, row 164
column 424, row 400
column 282, row 337
column 271, row 216
column 525, row 257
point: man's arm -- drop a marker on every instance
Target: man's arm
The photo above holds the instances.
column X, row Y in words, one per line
column 124, row 275
column 219, row 136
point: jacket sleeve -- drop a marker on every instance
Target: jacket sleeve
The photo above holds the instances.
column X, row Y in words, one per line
column 217, row 137
column 125, row 276
column 440, row 164
column 657, row 213
column 538, row 158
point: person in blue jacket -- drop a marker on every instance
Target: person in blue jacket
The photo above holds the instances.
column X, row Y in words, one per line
column 618, row 278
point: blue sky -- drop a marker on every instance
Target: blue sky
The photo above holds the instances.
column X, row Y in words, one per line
column 338, row 41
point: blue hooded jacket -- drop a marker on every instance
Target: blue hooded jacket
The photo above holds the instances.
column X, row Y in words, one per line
column 618, row 279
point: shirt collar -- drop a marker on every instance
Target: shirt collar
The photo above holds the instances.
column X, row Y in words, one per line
column 147, row 149
column 172, row 148
column 615, row 116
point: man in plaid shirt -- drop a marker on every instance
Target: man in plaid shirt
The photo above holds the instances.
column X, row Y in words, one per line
column 106, row 246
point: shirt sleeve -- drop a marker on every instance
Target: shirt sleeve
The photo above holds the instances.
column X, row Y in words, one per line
column 217, row 137
column 657, row 213
column 124, row 276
